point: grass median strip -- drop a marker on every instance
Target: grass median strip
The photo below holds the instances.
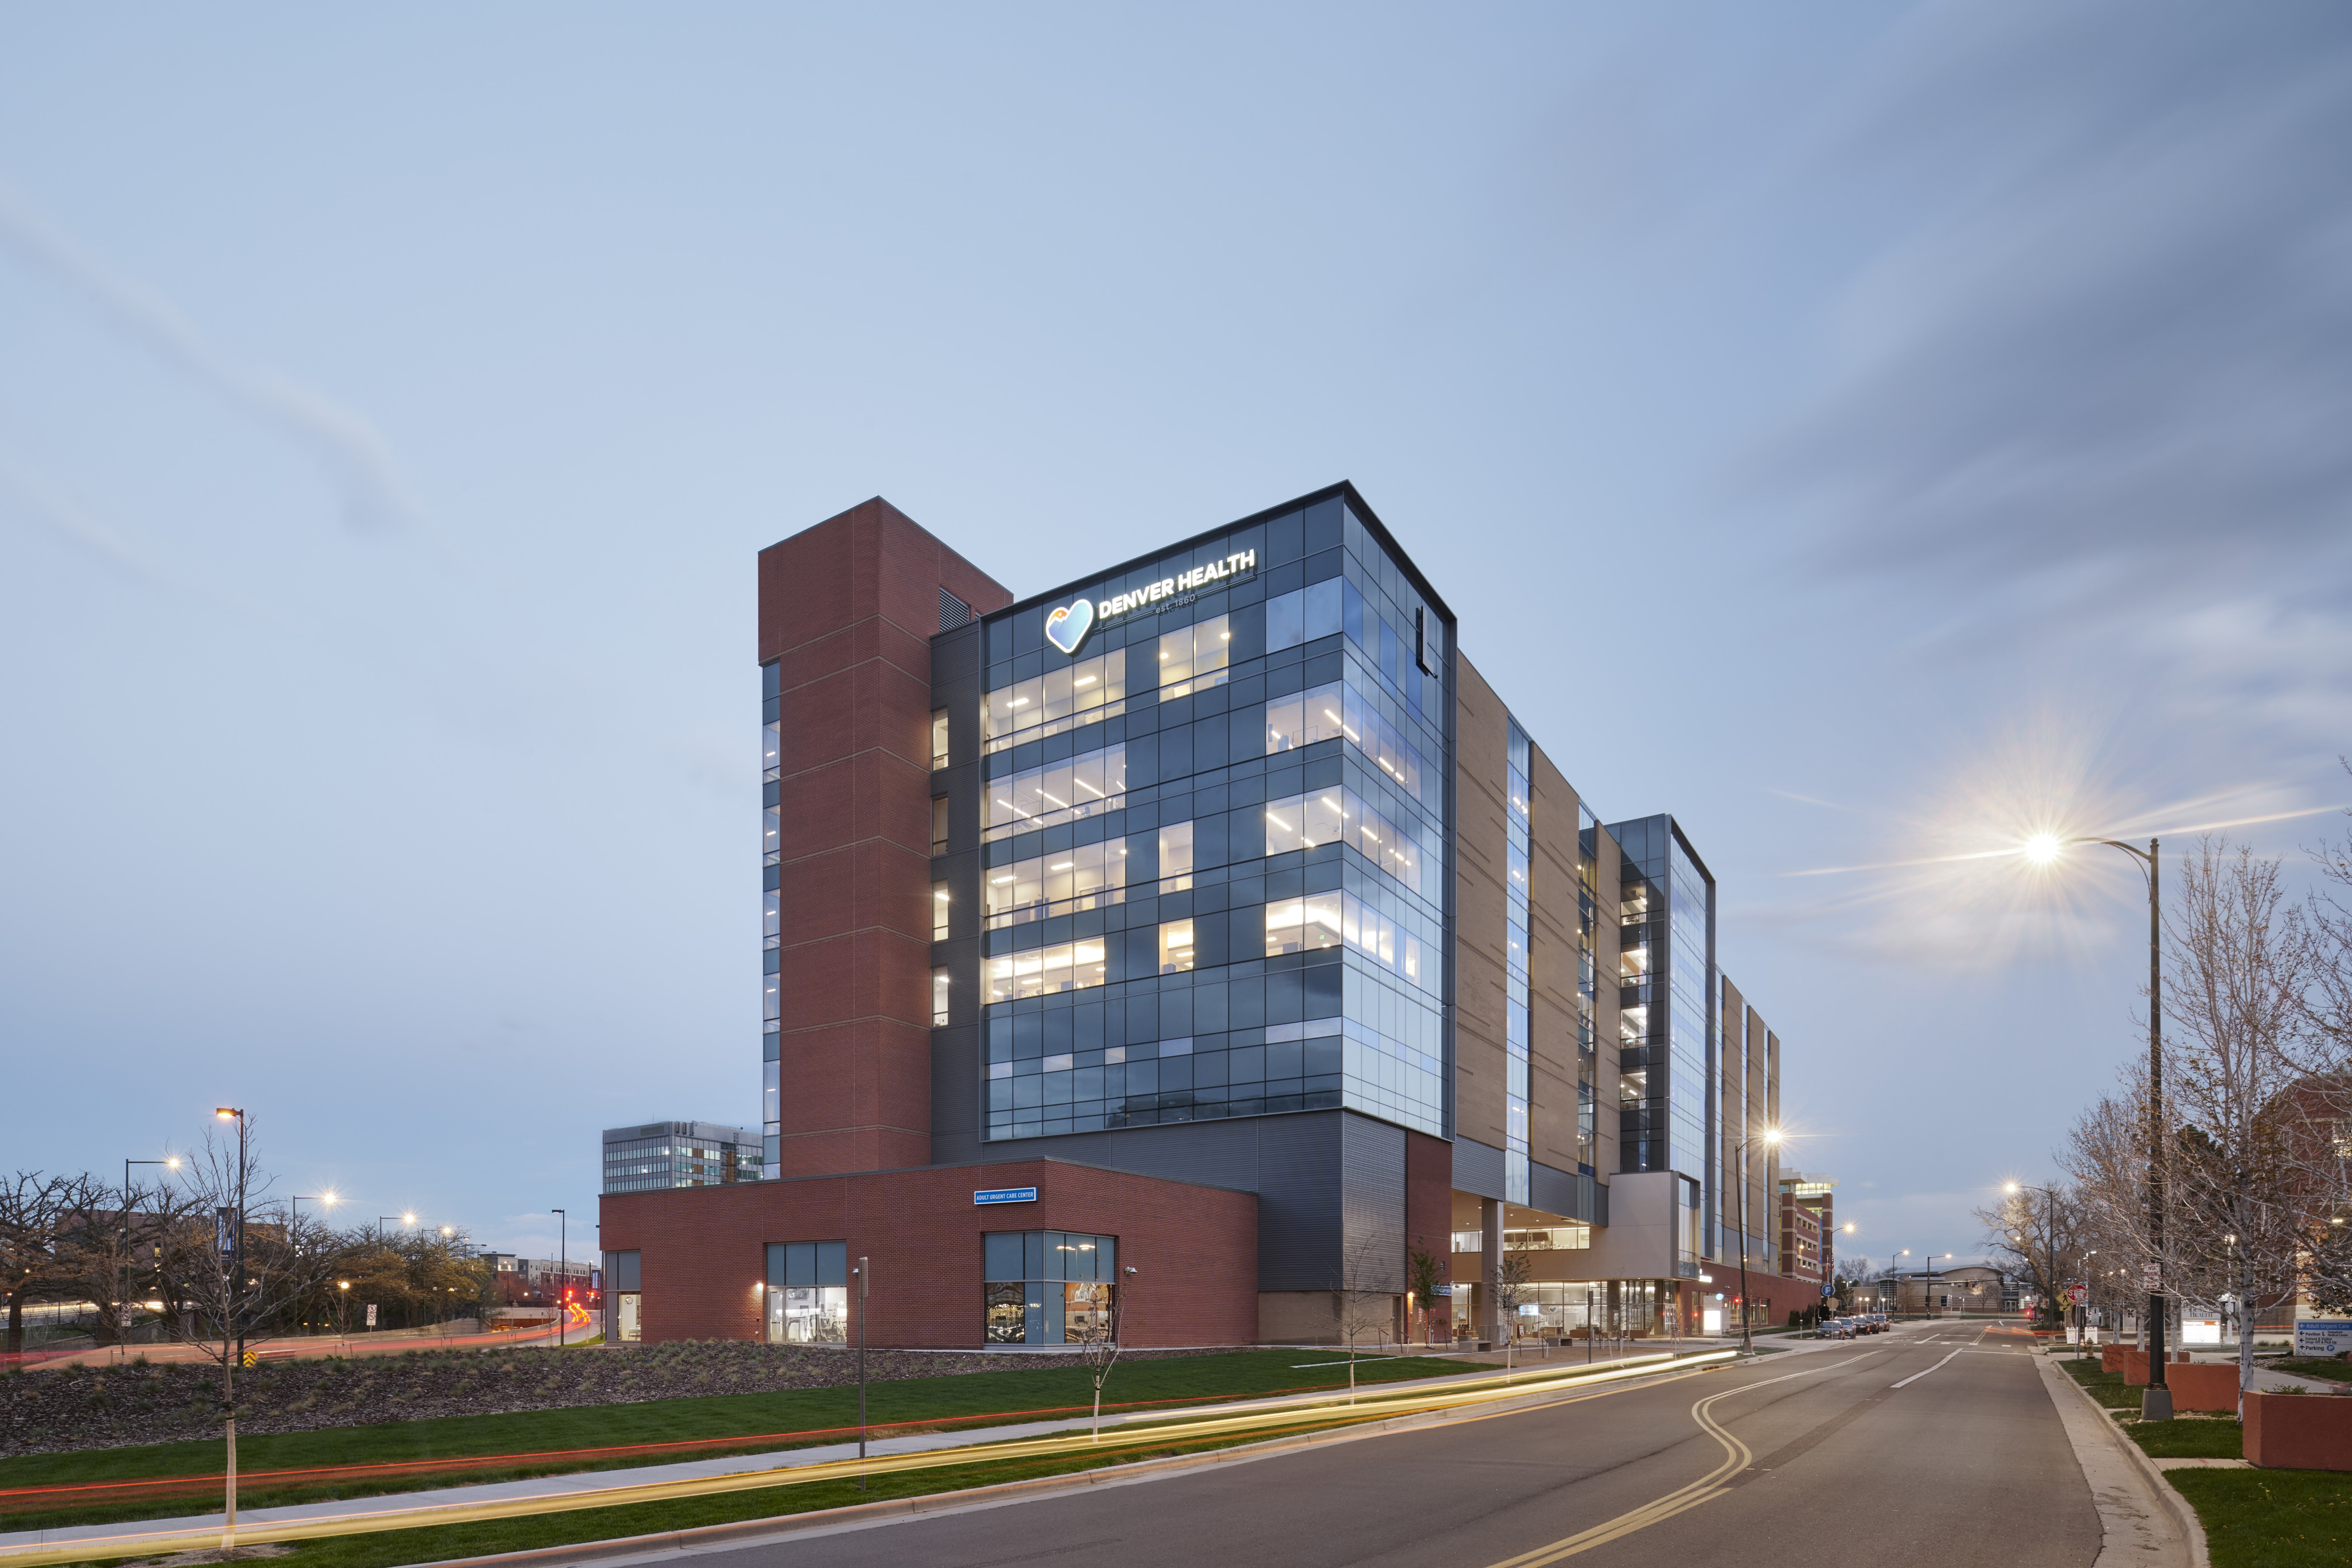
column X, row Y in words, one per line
column 161, row 1480
column 433, row 1543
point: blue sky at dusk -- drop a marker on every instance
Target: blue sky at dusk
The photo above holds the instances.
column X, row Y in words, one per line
column 1869, row 432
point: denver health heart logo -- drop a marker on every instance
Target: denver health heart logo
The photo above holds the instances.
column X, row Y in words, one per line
column 1067, row 627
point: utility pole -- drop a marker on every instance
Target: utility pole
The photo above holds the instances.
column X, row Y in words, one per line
column 562, row 1269
column 863, row 1276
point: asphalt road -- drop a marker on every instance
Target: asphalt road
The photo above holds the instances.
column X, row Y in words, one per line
column 1812, row 1461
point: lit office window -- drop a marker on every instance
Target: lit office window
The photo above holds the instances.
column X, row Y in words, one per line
column 939, row 906
column 1175, row 947
column 1176, row 857
column 1193, row 658
column 1042, row 971
column 1066, row 698
column 1058, row 792
column 939, row 740
column 939, row 998
column 1091, row 877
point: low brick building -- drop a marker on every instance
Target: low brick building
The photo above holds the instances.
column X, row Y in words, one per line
column 726, row 1259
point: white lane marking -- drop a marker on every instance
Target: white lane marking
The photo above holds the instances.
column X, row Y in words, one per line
column 1918, row 1375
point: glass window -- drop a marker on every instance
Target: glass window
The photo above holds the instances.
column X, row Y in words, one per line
column 1059, row 792
column 1295, row 925
column 772, row 743
column 940, row 824
column 771, row 840
column 1065, row 966
column 808, row 1293
column 1302, row 615
column 1047, row 1287
column 1091, row 877
column 939, row 740
column 1064, row 697
column 941, row 903
column 1193, row 658
column 1176, row 946
column 772, row 916
column 1175, row 857
column 1340, row 816
column 939, row 984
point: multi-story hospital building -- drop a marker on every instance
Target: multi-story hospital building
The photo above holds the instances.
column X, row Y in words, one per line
column 1204, row 935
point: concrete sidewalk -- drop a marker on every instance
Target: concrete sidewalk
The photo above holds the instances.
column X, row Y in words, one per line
column 743, row 1464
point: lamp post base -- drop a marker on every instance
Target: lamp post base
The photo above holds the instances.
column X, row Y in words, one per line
column 2156, row 1404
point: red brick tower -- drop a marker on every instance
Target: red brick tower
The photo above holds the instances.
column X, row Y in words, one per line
column 847, row 609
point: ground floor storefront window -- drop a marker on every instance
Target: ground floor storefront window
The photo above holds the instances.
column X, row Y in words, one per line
column 1047, row 1287
column 1605, row 1309
column 808, row 1293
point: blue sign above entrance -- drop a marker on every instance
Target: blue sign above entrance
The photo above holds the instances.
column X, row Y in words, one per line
column 1007, row 1196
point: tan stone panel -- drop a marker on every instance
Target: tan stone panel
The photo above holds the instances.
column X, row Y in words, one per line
column 1481, row 1054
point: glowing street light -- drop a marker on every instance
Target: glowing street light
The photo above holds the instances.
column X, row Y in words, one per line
column 2042, row 849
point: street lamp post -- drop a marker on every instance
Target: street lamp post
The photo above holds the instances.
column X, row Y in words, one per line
column 122, row 1292
column 2155, row 1403
column 229, row 1243
column 562, row 1268
column 1771, row 1139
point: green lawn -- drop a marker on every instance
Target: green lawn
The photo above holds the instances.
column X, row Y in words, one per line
column 2272, row 1519
column 383, row 1549
column 1065, row 1388
column 2190, row 1438
column 2107, row 1387
column 2331, row 1370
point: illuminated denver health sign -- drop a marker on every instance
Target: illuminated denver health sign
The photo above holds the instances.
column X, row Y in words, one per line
column 1066, row 626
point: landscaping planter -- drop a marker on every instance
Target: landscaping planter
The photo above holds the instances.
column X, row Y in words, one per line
column 2208, row 1385
column 2298, row 1431
column 2133, row 1365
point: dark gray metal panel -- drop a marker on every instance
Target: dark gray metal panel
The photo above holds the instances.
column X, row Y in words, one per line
column 955, row 1093
column 1373, row 1202
column 1298, row 1207
column 1563, row 1193
column 1477, row 1167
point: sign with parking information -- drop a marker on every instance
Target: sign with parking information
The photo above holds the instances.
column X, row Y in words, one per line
column 2323, row 1336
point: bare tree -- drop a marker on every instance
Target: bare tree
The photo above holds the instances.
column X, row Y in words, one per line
column 2036, row 1234
column 34, row 1210
column 1098, row 1339
column 2243, row 1110
column 1364, row 1298
column 247, row 1284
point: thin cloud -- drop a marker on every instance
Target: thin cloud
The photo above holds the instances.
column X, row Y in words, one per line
column 341, row 441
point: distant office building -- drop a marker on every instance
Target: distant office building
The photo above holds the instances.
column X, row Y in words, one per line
column 661, row 1154
column 1208, row 928
column 520, row 1281
column 1808, row 1249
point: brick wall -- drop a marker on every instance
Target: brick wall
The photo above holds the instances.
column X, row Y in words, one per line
column 847, row 609
column 703, row 1249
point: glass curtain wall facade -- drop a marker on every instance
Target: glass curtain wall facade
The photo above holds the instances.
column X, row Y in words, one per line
column 1667, row 1025
column 1218, row 887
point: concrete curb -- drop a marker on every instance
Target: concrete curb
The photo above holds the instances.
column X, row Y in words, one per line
column 858, row 1516
column 2184, row 1512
